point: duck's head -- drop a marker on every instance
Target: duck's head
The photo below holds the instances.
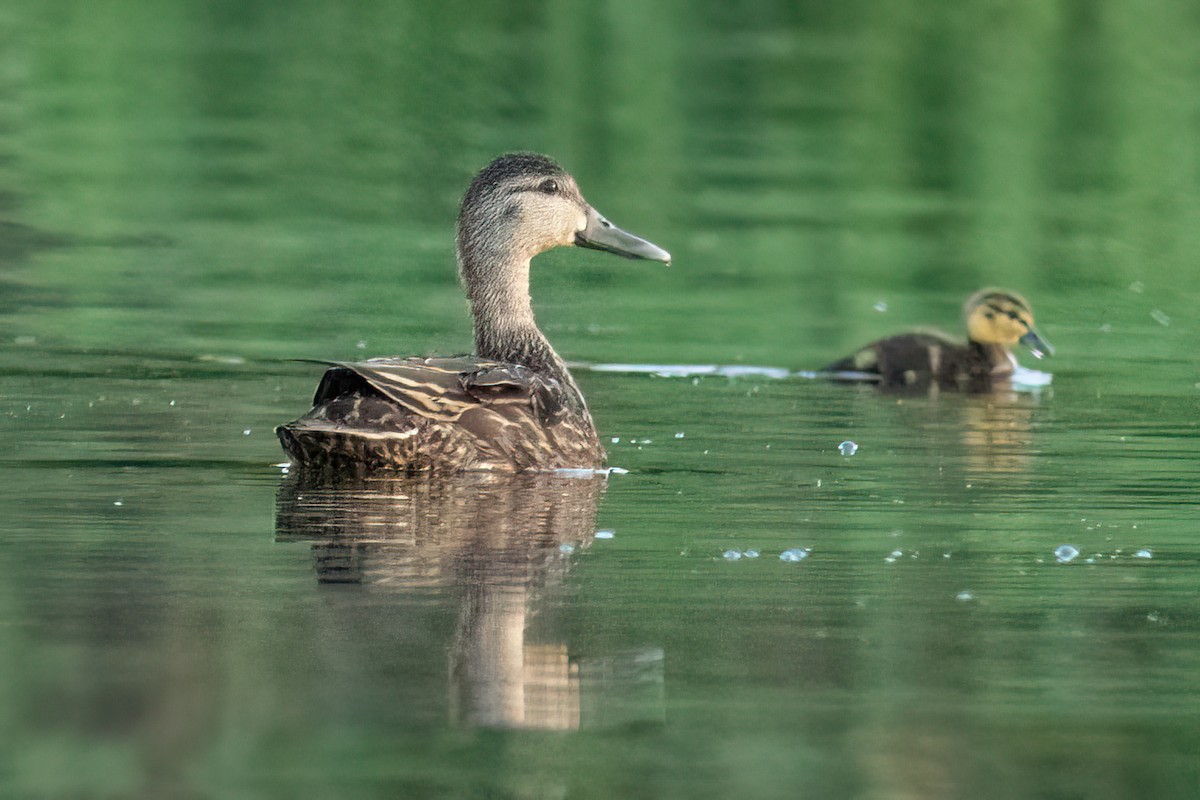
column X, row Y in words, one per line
column 523, row 204
column 998, row 317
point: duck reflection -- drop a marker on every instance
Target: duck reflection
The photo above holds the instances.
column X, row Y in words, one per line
column 503, row 545
column 997, row 433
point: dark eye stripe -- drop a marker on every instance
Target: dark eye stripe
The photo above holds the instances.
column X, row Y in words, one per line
column 1011, row 313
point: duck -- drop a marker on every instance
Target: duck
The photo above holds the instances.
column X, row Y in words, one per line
column 996, row 320
column 512, row 405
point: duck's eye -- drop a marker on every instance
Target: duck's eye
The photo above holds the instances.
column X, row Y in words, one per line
column 549, row 186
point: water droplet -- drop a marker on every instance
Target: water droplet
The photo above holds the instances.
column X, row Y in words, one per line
column 751, row 554
column 1160, row 317
column 847, row 448
column 1065, row 553
column 1143, row 553
column 605, row 534
column 964, row 596
column 732, row 555
column 795, row 554
column 566, row 548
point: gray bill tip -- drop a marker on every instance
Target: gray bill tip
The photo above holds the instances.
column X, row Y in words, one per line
column 600, row 234
column 1037, row 345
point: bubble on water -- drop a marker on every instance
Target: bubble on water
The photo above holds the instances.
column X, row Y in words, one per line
column 679, row 435
column 1144, row 553
column 751, row 554
column 732, row 555
column 220, row 359
column 118, row 503
column 795, row 554
column 964, row 597
column 605, row 534
column 1160, row 317
column 1152, row 616
column 246, row 432
column 616, row 440
column 361, row 344
column 1065, row 553
column 848, row 448
column 881, row 306
column 566, row 548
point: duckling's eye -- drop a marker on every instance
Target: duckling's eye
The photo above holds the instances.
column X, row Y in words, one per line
column 549, row 186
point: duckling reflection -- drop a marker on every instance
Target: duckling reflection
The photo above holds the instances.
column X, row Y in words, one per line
column 996, row 320
column 997, row 433
column 503, row 544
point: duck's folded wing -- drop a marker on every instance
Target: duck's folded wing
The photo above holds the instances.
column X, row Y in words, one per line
column 443, row 389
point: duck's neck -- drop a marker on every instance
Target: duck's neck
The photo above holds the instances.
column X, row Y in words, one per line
column 999, row 358
column 505, row 329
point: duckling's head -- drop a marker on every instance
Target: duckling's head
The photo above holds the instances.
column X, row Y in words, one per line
column 999, row 317
column 523, row 204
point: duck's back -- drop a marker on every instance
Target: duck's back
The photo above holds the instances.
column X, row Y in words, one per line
column 916, row 359
column 445, row 414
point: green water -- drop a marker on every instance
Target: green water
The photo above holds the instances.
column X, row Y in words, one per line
column 192, row 193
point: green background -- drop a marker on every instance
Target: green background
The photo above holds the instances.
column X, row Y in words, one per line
column 193, row 192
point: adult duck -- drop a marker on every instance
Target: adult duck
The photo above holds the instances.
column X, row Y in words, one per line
column 512, row 405
column 996, row 320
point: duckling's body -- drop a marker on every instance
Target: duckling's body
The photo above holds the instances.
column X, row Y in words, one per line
column 996, row 320
column 512, row 406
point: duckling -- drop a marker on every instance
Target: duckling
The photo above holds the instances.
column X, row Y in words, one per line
column 996, row 320
column 511, row 406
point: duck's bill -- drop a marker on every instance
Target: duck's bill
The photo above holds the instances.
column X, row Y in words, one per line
column 1037, row 345
column 600, row 234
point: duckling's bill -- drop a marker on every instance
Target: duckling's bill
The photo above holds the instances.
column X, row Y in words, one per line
column 1037, row 345
column 600, row 234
